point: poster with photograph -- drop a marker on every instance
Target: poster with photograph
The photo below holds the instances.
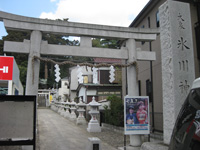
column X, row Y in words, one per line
column 136, row 115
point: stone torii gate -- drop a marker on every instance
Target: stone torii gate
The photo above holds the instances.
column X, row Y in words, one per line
column 35, row 46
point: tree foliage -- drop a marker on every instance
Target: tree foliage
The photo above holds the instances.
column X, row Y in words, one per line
column 115, row 114
column 105, row 43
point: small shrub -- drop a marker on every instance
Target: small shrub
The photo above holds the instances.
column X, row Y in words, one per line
column 114, row 115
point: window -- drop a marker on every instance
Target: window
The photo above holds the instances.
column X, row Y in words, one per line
column 149, row 22
column 157, row 19
column 149, row 89
column 104, row 77
column 142, row 41
column 139, row 87
column 85, row 79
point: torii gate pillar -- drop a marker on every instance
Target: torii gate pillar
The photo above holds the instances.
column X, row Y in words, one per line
column 135, row 140
column 32, row 81
column 131, row 71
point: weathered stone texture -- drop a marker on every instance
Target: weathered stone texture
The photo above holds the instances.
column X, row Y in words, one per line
column 177, row 60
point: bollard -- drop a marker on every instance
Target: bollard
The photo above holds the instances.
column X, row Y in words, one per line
column 94, row 144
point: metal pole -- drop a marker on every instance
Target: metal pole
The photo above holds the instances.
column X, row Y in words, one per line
column 151, row 76
column 124, row 142
column 151, row 96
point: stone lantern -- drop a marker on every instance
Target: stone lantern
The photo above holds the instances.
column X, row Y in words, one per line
column 81, row 119
column 73, row 108
column 52, row 105
column 59, row 107
column 67, row 113
column 63, row 109
column 93, row 125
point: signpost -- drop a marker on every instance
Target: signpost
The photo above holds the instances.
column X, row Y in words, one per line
column 6, row 68
column 136, row 115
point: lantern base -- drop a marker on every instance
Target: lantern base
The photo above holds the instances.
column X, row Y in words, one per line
column 67, row 114
column 93, row 127
column 72, row 116
column 81, row 121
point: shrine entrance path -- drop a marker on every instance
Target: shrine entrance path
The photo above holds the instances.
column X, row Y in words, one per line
column 58, row 133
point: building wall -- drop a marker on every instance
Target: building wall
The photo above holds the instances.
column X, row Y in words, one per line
column 15, row 86
column 64, row 90
column 82, row 93
column 73, row 76
column 72, row 95
column 144, row 67
column 194, row 19
column 74, row 79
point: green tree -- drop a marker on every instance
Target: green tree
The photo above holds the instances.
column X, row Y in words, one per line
column 105, row 43
column 115, row 114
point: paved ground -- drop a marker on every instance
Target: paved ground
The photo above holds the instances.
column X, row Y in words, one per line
column 58, row 133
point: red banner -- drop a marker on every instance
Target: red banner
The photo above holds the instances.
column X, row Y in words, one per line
column 6, row 68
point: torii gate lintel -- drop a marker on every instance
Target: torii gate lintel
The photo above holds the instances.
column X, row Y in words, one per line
column 36, row 47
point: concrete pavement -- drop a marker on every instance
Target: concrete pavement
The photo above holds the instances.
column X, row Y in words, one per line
column 58, row 133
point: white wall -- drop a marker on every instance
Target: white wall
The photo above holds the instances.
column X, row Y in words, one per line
column 15, row 83
column 82, row 92
column 74, row 79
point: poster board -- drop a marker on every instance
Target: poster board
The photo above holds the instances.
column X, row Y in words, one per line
column 17, row 120
column 136, row 115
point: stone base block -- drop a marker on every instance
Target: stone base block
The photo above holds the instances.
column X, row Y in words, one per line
column 67, row 115
column 94, row 143
column 62, row 113
column 129, row 148
column 93, row 127
column 72, row 117
column 154, row 146
column 81, row 121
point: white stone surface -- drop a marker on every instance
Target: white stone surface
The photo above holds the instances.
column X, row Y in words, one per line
column 93, row 125
column 32, row 83
column 132, row 83
column 153, row 146
column 67, row 113
column 81, row 109
column 72, row 108
column 145, row 55
column 12, row 21
column 177, row 60
column 81, row 120
column 93, row 140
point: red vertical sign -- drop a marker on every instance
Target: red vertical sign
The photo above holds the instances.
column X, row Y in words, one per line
column 6, row 68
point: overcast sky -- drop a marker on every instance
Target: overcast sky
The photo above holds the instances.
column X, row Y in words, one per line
column 105, row 12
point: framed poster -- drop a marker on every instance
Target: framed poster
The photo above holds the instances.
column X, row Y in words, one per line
column 136, row 115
